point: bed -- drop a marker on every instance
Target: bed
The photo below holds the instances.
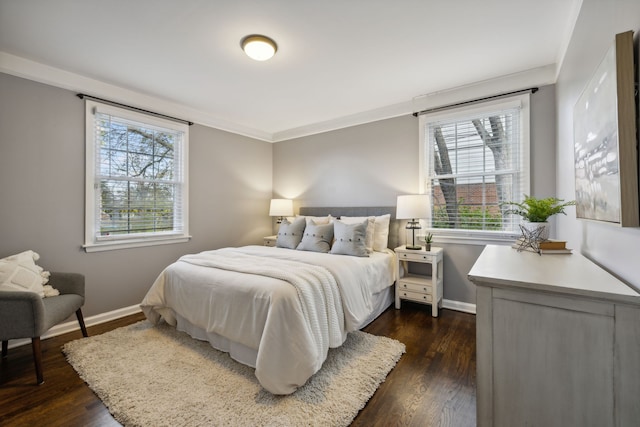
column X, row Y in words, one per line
column 277, row 310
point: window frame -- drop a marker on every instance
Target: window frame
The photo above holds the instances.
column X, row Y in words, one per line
column 92, row 241
column 477, row 237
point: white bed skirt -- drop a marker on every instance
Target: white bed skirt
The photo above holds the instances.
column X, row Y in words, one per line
column 246, row 355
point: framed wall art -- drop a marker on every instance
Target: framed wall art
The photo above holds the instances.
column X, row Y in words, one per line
column 605, row 140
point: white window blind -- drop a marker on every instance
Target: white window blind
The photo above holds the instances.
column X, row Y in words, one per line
column 474, row 160
column 136, row 179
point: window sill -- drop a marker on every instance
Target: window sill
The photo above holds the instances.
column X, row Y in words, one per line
column 474, row 240
column 111, row 246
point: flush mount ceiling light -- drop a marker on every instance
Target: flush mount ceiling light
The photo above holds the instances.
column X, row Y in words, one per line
column 258, row 47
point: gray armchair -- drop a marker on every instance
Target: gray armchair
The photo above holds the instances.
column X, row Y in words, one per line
column 26, row 315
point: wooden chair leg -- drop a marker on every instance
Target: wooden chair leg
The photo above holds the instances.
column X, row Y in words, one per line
column 5, row 347
column 37, row 358
column 81, row 322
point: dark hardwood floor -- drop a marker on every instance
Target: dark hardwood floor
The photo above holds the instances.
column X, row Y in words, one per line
column 433, row 384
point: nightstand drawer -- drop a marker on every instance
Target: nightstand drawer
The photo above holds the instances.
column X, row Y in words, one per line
column 415, row 296
column 270, row 241
column 414, row 257
column 413, row 287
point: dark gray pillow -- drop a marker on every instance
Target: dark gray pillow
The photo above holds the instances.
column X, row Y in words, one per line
column 290, row 234
column 316, row 238
column 350, row 239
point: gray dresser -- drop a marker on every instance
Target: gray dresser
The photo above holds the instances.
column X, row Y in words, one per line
column 558, row 342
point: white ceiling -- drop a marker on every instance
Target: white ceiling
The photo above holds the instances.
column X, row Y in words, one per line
column 338, row 61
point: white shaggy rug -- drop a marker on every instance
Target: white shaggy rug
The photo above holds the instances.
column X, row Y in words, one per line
column 156, row 376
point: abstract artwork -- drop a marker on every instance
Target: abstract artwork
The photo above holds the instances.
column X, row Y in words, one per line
column 605, row 140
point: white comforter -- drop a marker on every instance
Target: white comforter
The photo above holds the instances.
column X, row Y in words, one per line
column 290, row 306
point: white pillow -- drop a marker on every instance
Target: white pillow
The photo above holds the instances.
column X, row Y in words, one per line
column 318, row 220
column 381, row 234
column 369, row 233
column 380, row 230
column 20, row 273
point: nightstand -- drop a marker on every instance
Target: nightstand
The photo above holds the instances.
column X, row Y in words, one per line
column 420, row 288
column 270, row 240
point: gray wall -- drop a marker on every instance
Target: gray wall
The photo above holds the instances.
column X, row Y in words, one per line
column 616, row 249
column 42, row 194
column 365, row 165
column 370, row 164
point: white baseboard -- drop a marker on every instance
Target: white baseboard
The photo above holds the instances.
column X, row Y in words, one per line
column 73, row 325
column 459, row 306
column 108, row 316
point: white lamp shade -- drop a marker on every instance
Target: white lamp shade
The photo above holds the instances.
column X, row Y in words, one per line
column 413, row 206
column 281, row 207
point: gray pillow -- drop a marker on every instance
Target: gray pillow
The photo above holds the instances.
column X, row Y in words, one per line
column 290, row 234
column 317, row 237
column 350, row 239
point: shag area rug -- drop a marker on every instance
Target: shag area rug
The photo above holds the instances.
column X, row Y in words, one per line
column 156, row 376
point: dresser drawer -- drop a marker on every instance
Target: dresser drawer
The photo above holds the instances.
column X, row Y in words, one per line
column 415, row 257
column 413, row 287
column 415, row 296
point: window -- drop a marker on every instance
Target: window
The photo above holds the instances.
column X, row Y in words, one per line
column 472, row 160
column 136, row 186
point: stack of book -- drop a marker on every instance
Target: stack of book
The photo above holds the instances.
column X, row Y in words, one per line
column 545, row 246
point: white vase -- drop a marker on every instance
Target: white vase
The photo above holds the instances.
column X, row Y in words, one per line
column 533, row 227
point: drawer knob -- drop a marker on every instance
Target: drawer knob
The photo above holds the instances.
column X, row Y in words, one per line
column 424, row 289
column 424, row 297
column 405, row 285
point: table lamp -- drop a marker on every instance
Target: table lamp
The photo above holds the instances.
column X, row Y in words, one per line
column 281, row 208
column 413, row 207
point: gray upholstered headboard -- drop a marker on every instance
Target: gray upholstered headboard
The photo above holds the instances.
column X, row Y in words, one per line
column 394, row 225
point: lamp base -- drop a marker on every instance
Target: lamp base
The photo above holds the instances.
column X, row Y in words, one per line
column 412, row 226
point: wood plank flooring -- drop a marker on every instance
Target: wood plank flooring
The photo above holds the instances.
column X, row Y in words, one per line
column 434, row 383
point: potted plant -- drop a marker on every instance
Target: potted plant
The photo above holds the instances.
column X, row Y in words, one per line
column 536, row 212
column 428, row 238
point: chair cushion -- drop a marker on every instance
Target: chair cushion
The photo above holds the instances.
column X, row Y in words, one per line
column 57, row 309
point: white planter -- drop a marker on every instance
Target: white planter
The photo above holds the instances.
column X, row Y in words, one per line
column 532, row 228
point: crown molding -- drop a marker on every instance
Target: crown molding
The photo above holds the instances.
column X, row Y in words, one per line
column 540, row 76
column 369, row 116
column 32, row 70
column 25, row 68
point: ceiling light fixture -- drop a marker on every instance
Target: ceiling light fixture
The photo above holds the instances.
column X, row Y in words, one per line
column 258, row 47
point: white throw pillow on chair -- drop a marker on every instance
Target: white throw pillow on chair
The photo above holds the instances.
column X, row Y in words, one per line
column 20, row 273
